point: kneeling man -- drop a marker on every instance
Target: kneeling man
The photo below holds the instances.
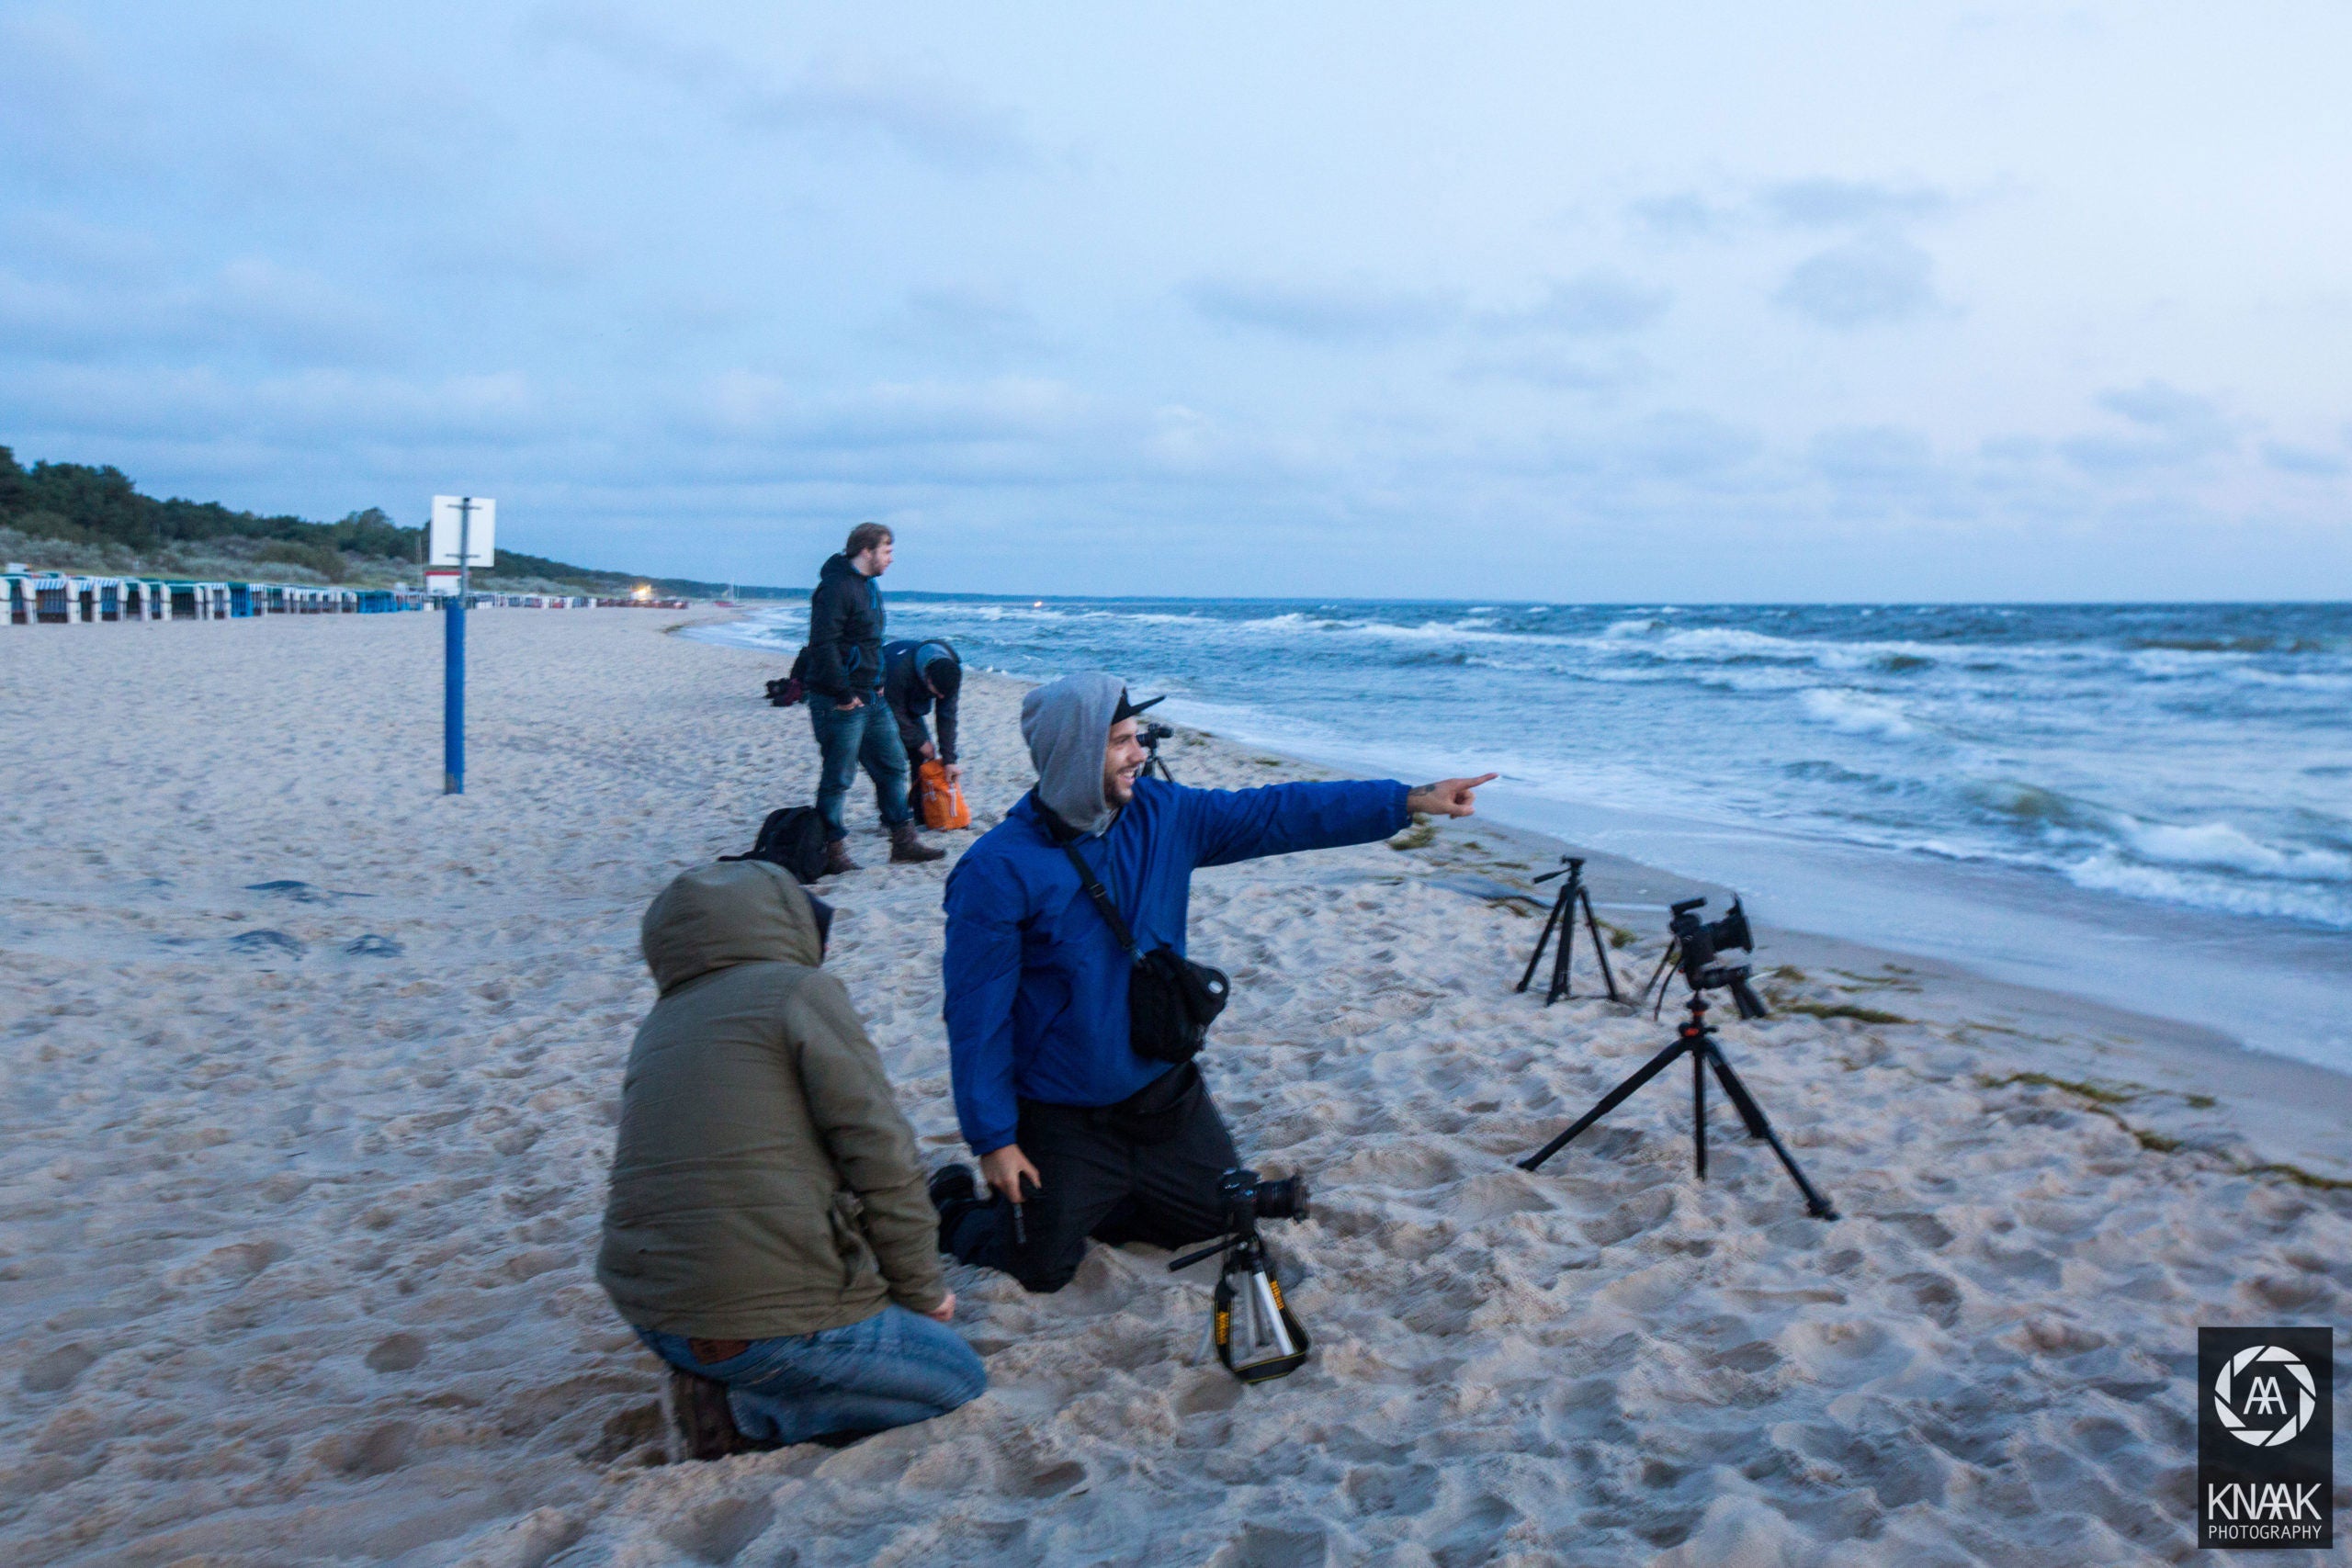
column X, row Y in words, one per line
column 768, row 1234
column 1090, row 1138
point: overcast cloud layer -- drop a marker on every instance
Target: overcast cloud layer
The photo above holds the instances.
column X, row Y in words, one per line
column 1678, row 302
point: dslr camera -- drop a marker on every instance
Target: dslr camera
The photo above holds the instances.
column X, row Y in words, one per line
column 1701, row 947
column 1248, row 1199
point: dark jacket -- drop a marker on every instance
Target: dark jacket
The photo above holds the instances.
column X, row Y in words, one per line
column 764, row 1180
column 844, row 632
column 910, row 699
column 1037, row 986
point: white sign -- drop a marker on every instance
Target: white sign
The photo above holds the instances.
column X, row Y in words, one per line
column 478, row 529
column 440, row 580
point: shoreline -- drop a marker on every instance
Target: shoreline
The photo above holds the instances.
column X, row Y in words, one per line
column 2270, row 1109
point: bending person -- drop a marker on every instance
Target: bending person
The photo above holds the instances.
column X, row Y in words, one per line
column 1088, row 1137
column 919, row 679
column 767, row 1233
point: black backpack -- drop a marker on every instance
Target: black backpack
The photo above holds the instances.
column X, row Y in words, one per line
column 792, row 688
column 793, row 838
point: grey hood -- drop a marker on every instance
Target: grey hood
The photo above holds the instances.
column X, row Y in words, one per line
column 1066, row 725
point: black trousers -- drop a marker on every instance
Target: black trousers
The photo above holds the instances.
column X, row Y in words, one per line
column 1143, row 1171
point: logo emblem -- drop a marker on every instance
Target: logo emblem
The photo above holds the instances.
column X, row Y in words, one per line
column 2264, row 1396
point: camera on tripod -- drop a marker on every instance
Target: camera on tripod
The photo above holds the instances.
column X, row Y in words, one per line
column 1149, row 733
column 1698, row 950
column 1250, row 1323
column 1248, row 1199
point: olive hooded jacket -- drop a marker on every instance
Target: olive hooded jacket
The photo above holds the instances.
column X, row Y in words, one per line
column 765, row 1182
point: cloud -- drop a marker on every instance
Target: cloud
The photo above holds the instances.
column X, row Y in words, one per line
column 1332, row 314
column 2290, row 459
column 1866, row 281
column 926, row 113
column 1596, row 304
column 1826, row 204
column 1682, row 215
column 964, row 322
column 1686, row 445
column 63, row 114
column 311, row 408
column 752, row 405
column 1603, row 375
column 250, row 306
column 2170, row 428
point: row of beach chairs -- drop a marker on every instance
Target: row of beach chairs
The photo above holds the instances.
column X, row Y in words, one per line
column 48, row 598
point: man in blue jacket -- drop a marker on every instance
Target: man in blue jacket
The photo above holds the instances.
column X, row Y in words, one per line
column 1070, row 1123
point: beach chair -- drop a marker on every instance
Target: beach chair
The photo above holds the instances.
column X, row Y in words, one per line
column 20, row 599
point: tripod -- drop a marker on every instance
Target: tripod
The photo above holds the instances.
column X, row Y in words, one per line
column 1695, row 1039
column 1151, row 735
column 1573, row 894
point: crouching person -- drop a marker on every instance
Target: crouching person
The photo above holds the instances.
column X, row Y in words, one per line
column 767, row 1231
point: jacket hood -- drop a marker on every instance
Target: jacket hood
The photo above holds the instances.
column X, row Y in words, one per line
column 837, row 567
column 714, row 916
column 1066, row 725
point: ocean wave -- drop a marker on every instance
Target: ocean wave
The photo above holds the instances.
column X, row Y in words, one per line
column 1857, row 713
column 2219, row 845
column 2111, row 872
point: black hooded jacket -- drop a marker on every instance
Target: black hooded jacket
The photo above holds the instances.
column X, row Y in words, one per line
column 844, row 632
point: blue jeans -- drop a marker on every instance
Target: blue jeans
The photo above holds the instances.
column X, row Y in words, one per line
column 865, row 734
column 892, row 1370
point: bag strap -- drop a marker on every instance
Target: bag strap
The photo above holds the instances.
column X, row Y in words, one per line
column 1095, row 890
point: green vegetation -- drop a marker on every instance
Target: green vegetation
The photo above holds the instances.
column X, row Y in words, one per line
column 76, row 517
column 1841, row 1009
column 1421, row 835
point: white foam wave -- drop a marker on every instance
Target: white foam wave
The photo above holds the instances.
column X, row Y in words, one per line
column 2111, row 872
column 1856, row 713
column 2222, row 846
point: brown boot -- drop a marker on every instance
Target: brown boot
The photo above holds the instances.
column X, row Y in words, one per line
column 698, row 1414
column 905, row 846
column 837, row 859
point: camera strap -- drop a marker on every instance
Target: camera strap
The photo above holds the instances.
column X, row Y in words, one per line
column 1101, row 896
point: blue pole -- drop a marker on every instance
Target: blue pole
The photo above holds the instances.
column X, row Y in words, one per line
column 453, row 698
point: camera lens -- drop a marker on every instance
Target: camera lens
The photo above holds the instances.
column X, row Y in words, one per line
column 1284, row 1200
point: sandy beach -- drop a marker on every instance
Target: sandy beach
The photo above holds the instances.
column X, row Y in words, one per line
column 311, row 1074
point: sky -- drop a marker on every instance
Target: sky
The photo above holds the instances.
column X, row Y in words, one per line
column 1678, row 302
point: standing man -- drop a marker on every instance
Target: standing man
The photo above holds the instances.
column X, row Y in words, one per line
column 917, row 679
column 846, row 676
column 1070, row 1123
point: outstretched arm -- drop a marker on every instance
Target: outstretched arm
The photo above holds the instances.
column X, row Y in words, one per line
column 1230, row 825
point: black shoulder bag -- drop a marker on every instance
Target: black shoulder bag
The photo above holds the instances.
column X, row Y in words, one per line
column 1171, row 1001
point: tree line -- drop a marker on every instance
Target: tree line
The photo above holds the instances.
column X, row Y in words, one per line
column 76, row 502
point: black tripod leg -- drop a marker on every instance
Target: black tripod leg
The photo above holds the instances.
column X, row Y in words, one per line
column 1609, row 1102
column 1599, row 948
column 1699, row 1107
column 1540, row 942
column 1564, row 956
column 1656, row 974
column 1752, row 1114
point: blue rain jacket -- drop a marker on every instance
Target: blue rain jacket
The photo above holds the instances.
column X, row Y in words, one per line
column 1037, row 985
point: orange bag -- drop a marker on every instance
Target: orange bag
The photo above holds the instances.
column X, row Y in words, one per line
column 940, row 803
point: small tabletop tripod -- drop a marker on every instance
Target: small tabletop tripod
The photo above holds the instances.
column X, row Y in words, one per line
column 1574, row 895
column 1695, row 1039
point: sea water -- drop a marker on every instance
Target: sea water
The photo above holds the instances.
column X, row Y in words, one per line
column 2147, row 804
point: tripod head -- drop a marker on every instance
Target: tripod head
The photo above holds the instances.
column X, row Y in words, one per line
column 1569, row 865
